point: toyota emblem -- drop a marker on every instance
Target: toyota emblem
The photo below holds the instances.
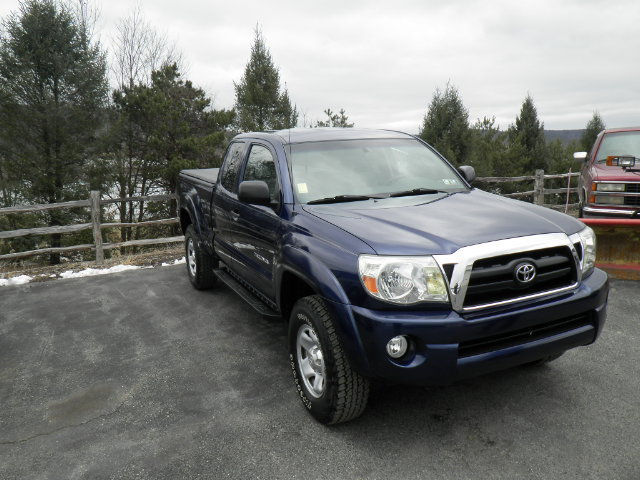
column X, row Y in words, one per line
column 525, row 272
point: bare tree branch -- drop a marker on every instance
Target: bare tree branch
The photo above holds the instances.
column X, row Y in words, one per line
column 139, row 49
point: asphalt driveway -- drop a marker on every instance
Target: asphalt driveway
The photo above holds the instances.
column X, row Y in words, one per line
column 137, row 375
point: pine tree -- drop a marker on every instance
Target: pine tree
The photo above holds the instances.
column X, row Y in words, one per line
column 526, row 139
column 53, row 91
column 593, row 128
column 175, row 128
column 339, row 120
column 446, row 125
column 487, row 147
column 260, row 105
column 286, row 114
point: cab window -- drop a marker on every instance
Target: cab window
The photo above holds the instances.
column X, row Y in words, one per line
column 232, row 162
column 261, row 166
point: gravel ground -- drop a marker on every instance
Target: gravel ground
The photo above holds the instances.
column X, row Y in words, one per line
column 137, row 375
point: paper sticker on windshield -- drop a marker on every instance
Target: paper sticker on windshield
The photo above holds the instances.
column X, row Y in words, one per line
column 302, row 188
column 449, row 181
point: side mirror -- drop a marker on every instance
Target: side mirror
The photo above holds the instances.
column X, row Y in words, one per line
column 255, row 192
column 581, row 156
column 468, row 172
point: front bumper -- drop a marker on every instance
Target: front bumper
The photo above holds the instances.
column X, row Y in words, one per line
column 441, row 338
column 608, row 212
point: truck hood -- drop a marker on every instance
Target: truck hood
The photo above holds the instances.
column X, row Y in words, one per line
column 602, row 172
column 441, row 224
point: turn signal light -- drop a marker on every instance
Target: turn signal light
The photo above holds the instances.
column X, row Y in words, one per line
column 370, row 283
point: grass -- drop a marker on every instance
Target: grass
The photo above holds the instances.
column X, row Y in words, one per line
column 149, row 257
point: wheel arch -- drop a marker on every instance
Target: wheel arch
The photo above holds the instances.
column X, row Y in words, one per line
column 303, row 274
column 185, row 219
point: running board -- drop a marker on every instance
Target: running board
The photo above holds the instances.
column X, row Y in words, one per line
column 246, row 294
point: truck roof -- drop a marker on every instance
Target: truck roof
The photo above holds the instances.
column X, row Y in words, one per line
column 301, row 135
column 621, row 129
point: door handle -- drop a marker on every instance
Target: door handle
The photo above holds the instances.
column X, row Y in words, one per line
column 235, row 214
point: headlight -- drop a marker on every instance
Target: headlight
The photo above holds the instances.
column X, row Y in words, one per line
column 588, row 241
column 403, row 280
column 610, row 187
column 610, row 199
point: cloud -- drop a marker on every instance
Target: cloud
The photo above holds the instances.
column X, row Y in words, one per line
column 381, row 61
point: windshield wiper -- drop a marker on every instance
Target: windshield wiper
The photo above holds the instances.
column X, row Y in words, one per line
column 355, row 198
column 340, row 198
column 416, row 191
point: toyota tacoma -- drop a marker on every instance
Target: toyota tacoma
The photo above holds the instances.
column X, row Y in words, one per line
column 386, row 263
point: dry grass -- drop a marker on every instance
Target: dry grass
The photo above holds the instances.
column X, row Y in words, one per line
column 41, row 273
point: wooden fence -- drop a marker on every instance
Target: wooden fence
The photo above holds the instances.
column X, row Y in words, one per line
column 94, row 203
column 538, row 193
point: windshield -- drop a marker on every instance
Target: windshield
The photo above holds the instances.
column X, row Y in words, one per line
column 368, row 167
column 620, row 143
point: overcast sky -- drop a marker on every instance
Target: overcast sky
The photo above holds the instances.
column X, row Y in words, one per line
column 381, row 61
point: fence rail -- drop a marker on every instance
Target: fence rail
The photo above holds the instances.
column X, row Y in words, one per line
column 539, row 191
column 94, row 202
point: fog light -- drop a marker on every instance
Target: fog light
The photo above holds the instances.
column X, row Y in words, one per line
column 397, row 346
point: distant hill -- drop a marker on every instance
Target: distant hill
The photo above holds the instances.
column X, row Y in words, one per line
column 565, row 136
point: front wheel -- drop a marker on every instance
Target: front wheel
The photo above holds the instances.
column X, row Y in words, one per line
column 327, row 384
column 200, row 265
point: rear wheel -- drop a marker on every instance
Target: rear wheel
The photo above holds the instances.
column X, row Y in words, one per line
column 327, row 384
column 200, row 265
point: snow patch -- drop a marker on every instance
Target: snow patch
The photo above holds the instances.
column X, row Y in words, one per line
column 90, row 272
column 19, row 280
column 177, row 261
column 87, row 272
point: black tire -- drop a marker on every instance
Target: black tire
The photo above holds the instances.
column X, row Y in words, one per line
column 203, row 278
column 345, row 392
column 544, row 360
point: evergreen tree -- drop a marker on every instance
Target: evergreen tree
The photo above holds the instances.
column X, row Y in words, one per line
column 174, row 127
column 286, row 114
column 593, row 128
column 560, row 157
column 487, row 147
column 339, row 119
column 260, row 105
column 446, row 125
column 526, row 139
column 53, row 91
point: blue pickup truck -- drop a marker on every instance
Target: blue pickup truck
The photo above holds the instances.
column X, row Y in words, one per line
column 386, row 263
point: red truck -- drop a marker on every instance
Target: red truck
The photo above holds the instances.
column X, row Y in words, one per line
column 609, row 184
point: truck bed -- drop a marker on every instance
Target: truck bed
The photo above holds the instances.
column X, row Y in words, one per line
column 209, row 175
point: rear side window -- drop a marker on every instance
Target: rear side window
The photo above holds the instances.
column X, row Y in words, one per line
column 260, row 166
column 232, row 163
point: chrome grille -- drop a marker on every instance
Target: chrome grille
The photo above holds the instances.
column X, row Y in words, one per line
column 493, row 279
column 632, row 200
column 458, row 267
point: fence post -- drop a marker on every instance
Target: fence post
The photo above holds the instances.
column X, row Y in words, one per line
column 94, row 200
column 538, row 187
